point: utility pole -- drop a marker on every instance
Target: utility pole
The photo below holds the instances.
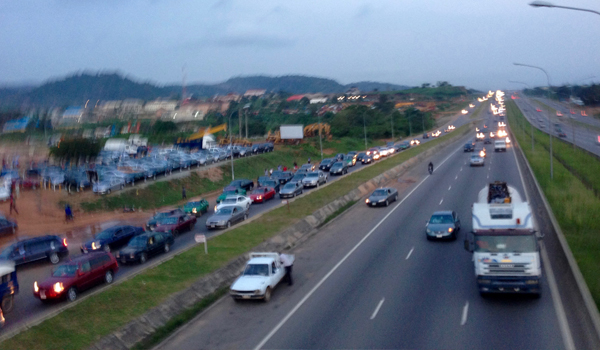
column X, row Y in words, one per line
column 392, row 119
column 365, row 129
column 246, row 123
column 320, row 140
column 240, row 121
column 231, row 145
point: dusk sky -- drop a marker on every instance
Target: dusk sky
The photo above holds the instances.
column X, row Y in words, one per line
column 465, row 42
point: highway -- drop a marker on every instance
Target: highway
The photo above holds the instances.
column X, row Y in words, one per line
column 584, row 131
column 370, row 279
column 29, row 309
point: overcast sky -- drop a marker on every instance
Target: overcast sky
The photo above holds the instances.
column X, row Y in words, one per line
column 465, row 42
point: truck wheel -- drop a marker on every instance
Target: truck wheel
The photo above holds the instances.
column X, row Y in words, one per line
column 267, row 295
column 8, row 303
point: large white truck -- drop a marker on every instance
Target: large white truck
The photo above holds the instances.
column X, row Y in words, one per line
column 504, row 242
column 262, row 274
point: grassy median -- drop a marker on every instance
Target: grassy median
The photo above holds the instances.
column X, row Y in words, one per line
column 101, row 314
column 574, row 205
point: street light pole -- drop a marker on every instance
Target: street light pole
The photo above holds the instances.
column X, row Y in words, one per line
column 231, row 146
column 392, row 119
column 320, row 139
column 531, row 122
column 551, row 5
column 365, row 129
column 549, row 126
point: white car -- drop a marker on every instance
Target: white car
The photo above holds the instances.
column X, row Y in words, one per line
column 238, row 201
column 4, row 193
column 261, row 275
column 477, row 160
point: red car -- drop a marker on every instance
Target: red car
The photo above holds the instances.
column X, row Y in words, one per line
column 77, row 275
column 262, row 194
column 176, row 224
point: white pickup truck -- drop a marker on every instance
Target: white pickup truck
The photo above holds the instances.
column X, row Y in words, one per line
column 261, row 275
column 500, row 146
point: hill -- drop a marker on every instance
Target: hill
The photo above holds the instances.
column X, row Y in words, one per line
column 78, row 88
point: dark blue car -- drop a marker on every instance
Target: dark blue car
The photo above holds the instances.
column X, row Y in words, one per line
column 8, row 285
column 111, row 238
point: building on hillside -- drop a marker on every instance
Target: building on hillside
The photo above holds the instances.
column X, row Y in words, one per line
column 227, row 98
column 255, row 92
column 16, row 125
column 353, row 91
column 316, row 100
column 132, row 105
column 160, row 104
column 196, row 111
column 295, row 98
column 72, row 114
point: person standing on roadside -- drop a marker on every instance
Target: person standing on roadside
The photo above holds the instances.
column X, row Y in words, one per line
column 279, row 167
column 287, row 263
column 308, row 160
column 13, row 205
column 266, row 172
column 271, row 172
column 183, row 194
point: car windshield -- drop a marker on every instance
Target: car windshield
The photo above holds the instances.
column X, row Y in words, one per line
column 105, row 234
column 228, row 193
column 168, row 221
column 230, row 200
column 289, row 186
column 312, row 175
column 505, row 244
column 362, row 154
column 441, row 219
column 225, row 211
column 380, row 193
column 338, row 164
column 160, row 215
column 6, row 252
column 191, row 204
column 475, row 157
column 65, row 271
column 259, row 191
column 326, row 161
column 139, row 241
column 297, row 177
column 256, row 270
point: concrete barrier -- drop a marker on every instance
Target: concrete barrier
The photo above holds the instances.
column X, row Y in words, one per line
column 144, row 326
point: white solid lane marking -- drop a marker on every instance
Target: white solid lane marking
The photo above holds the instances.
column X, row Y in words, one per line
column 463, row 320
column 488, row 176
column 456, row 177
column 377, row 308
column 441, row 201
column 449, row 187
column 460, row 168
column 314, row 289
column 409, row 253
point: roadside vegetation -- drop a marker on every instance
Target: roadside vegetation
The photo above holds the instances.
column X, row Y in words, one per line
column 570, row 193
column 97, row 316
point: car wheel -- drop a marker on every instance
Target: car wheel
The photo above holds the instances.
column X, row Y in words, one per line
column 267, row 295
column 54, row 258
column 108, row 191
column 72, row 294
column 167, row 247
column 108, row 277
column 395, row 198
column 122, row 186
column 248, row 206
column 192, row 225
column 228, row 224
column 175, row 233
column 294, row 195
column 245, row 217
column 106, row 248
column 8, row 303
column 387, row 202
column 143, row 258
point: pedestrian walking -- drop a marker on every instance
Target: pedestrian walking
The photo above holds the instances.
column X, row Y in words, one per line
column 68, row 213
column 13, row 205
column 183, row 194
column 308, row 160
column 271, row 172
column 279, row 167
column 284, row 168
column 287, row 263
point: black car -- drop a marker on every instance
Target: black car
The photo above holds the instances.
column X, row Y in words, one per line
column 367, row 160
column 282, row 176
column 425, row 135
column 326, row 164
column 469, row 147
column 360, row 157
column 271, row 183
column 151, row 224
column 339, row 168
column 269, row 147
column 298, row 178
column 141, row 247
column 246, row 184
column 49, row 247
column 339, row 156
column 111, row 238
column 258, row 148
column 7, row 227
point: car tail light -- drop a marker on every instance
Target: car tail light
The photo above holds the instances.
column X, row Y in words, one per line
column 35, row 287
column 64, row 242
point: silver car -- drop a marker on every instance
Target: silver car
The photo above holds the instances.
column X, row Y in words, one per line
column 382, row 196
column 107, row 185
column 314, row 179
column 442, row 224
column 477, row 160
column 226, row 216
column 291, row 189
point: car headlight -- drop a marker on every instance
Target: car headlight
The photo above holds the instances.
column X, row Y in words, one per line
column 450, row 229
column 367, row 200
column 382, row 200
column 35, row 287
column 96, row 245
column 258, row 291
column 194, row 210
column 58, row 287
column 132, row 255
column 428, row 231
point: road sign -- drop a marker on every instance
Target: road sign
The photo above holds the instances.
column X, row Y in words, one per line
column 201, row 239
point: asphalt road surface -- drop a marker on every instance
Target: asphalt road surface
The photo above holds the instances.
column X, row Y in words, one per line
column 371, row 279
column 29, row 309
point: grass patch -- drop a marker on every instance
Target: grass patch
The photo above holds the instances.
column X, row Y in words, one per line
column 99, row 315
column 575, row 207
column 338, row 212
column 163, row 332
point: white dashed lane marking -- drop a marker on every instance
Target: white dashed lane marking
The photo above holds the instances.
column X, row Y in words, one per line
column 441, row 201
column 377, row 308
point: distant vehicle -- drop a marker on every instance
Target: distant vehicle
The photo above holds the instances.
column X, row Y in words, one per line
column 226, row 216
column 382, row 196
column 487, row 141
column 49, row 247
column 503, row 228
column 283, row 176
column 404, row 145
column 350, row 159
column 561, row 133
column 9, row 286
column 360, row 156
column 291, row 190
column 151, row 224
column 442, row 224
column 469, row 147
column 476, row 160
column 500, row 146
column 236, row 200
column 314, row 179
column 326, row 164
column 339, row 168
column 425, row 135
column 111, row 238
column 196, row 208
column 308, row 167
column 7, row 227
column 415, row 142
column 77, row 275
column 232, row 192
column 262, row 274
column 372, row 151
column 109, row 185
column 176, row 224
column 262, row 194
column 367, row 160
column 246, row 184
column 145, row 246
column 538, row 110
column 271, row 183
